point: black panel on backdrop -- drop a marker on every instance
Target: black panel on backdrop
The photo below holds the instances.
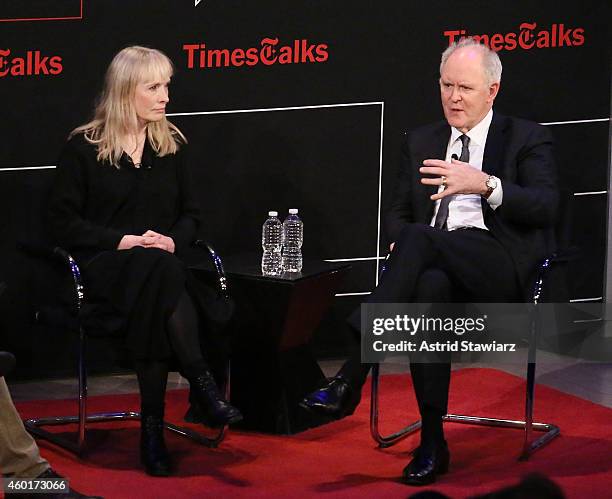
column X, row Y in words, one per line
column 39, row 9
column 325, row 161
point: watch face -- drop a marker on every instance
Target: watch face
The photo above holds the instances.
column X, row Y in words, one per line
column 491, row 182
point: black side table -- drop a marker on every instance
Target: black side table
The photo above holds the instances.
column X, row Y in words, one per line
column 272, row 366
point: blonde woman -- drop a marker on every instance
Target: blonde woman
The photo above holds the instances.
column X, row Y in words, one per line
column 123, row 204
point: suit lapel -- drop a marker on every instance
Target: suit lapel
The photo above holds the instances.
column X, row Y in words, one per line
column 434, row 149
column 491, row 161
column 494, row 150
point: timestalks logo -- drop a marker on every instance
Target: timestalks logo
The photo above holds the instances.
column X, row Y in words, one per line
column 527, row 38
column 32, row 63
column 268, row 53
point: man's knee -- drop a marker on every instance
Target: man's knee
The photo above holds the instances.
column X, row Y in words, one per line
column 414, row 232
column 434, row 286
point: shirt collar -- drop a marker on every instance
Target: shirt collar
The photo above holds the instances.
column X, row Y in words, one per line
column 478, row 134
column 148, row 155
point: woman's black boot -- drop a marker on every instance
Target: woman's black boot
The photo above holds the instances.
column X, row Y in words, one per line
column 207, row 404
column 153, row 452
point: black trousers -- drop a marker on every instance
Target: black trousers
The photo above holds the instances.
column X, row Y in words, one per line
column 428, row 265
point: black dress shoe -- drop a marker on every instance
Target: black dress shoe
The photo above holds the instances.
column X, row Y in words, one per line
column 426, row 465
column 7, row 363
column 337, row 399
column 46, row 475
column 207, row 405
column 153, row 452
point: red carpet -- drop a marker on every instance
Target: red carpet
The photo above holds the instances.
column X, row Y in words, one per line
column 341, row 460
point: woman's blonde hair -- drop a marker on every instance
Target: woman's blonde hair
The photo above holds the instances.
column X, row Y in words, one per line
column 115, row 114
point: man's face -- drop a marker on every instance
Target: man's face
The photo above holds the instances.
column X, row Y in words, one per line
column 466, row 95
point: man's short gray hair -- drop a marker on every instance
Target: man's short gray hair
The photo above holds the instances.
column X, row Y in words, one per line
column 491, row 64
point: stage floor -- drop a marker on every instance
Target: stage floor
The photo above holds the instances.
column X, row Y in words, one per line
column 588, row 380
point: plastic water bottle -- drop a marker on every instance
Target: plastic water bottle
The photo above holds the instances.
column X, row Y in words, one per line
column 271, row 242
column 293, row 237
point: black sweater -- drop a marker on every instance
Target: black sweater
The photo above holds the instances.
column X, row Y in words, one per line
column 93, row 205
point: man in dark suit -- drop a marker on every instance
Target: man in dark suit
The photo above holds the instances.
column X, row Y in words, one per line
column 470, row 220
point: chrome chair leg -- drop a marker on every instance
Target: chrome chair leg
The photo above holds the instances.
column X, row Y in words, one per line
column 528, row 425
column 35, row 425
column 82, row 392
column 385, row 440
column 78, row 446
column 550, row 430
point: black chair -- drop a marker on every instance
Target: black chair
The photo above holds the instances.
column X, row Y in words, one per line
column 61, row 317
column 549, row 430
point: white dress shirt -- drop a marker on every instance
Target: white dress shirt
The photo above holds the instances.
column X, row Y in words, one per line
column 464, row 210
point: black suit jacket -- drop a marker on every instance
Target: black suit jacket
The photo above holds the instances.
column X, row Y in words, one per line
column 517, row 151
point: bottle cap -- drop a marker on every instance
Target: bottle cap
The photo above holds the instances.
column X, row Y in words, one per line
column 273, row 213
column 293, row 211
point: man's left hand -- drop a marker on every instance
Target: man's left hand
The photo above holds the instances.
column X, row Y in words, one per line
column 457, row 176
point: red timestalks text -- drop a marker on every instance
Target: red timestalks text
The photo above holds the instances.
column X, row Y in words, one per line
column 528, row 37
column 268, row 53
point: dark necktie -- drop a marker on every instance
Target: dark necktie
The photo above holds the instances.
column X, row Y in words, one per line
column 442, row 215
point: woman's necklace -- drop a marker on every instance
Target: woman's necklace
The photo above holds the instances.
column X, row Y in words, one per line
column 136, row 154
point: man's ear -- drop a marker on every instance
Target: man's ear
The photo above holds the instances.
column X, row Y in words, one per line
column 493, row 90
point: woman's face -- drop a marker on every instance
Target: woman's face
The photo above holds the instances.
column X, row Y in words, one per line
column 150, row 99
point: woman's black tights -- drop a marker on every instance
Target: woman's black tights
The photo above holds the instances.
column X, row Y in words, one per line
column 152, row 377
column 183, row 334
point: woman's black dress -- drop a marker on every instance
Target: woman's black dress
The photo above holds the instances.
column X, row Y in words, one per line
column 93, row 205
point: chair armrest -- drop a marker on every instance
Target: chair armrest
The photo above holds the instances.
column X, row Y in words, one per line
column 217, row 262
column 383, row 266
column 57, row 254
column 566, row 255
column 563, row 256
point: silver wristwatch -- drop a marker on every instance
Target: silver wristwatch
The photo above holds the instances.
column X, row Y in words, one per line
column 491, row 184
